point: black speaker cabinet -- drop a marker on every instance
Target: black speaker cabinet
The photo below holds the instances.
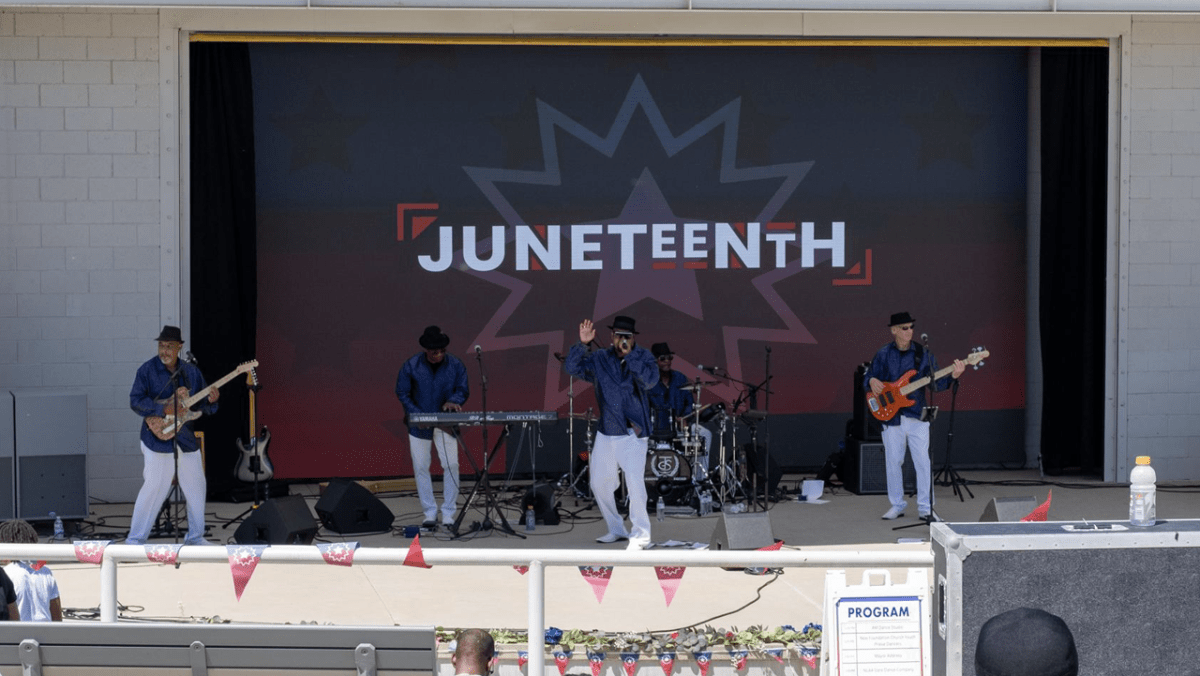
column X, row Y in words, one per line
column 864, row 426
column 1130, row 595
column 347, row 507
column 864, row 472
column 1009, row 509
column 747, row 530
column 545, row 508
column 279, row 521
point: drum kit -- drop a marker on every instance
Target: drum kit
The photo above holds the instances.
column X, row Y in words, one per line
column 677, row 462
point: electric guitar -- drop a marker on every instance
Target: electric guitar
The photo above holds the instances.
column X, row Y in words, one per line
column 885, row 405
column 253, row 464
column 165, row 427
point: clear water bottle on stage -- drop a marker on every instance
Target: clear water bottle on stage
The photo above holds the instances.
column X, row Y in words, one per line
column 660, row 508
column 705, row 503
column 60, row 533
column 1142, row 493
column 529, row 518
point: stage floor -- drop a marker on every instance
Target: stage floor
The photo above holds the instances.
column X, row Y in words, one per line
column 496, row 596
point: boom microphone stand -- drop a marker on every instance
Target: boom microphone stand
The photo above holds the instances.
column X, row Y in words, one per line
column 166, row 524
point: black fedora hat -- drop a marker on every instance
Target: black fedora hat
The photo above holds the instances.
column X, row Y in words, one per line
column 623, row 324
column 170, row 334
column 660, row 350
column 433, row 338
column 901, row 318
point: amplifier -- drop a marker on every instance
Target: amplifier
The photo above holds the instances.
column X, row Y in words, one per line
column 1130, row 595
column 863, row 470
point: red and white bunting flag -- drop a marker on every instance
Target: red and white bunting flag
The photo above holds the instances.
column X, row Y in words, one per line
column 667, row 661
column 522, row 658
column 630, row 662
column 596, row 659
column 415, row 558
column 598, row 577
column 162, row 553
column 561, row 658
column 669, row 578
column 738, row 658
column 90, row 551
column 771, row 548
column 521, row 569
column 703, row 660
column 338, row 553
column 1043, row 511
column 243, row 559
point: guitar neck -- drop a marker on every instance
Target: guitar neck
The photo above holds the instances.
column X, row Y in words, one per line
column 922, row 382
column 191, row 401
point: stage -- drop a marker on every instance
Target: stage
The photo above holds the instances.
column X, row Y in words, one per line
column 496, row 596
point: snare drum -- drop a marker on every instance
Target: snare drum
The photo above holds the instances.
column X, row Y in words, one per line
column 668, row 474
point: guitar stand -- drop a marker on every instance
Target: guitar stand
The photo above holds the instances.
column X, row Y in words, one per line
column 252, row 387
column 483, row 485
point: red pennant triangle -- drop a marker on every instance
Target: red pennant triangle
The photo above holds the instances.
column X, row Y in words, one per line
column 415, row 558
column 668, row 579
column 1042, row 512
column 598, row 577
column 521, row 569
column 243, row 559
column 89, row 551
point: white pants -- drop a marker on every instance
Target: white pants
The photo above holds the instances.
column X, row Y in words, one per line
column 447, row 450
column 915, row 434
column 157, row 472
column 628, row 454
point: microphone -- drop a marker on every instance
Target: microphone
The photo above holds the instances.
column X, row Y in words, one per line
column 559, row 356
column 188, row 357
column 478, row 350
column 709, row 369
column 924, row 337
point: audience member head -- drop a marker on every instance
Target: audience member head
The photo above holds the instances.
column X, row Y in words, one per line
column 18, row 531
column 1025, row 642
column 474, row 652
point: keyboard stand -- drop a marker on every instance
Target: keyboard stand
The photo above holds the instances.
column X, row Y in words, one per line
column 483, row 486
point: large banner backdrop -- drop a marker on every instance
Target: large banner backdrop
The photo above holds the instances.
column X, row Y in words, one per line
column 756, row 208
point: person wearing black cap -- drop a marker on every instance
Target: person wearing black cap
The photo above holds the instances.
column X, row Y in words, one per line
column 151, row 397
column 1026, row 642
column 621, row 374
column 432, row 381
column 670, row 405
column 908, row 429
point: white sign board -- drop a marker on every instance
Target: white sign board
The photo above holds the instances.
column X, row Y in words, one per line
column 876, row 629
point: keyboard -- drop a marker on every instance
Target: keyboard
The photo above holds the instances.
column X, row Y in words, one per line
column 476, row 418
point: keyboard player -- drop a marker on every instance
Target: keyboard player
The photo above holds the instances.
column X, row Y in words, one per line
column 433, row 380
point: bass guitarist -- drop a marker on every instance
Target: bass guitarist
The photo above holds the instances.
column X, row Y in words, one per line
column 152, row 397
column 909, row 429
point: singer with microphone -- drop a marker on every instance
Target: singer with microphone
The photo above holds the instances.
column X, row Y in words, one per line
column 432, row 381
column 622, row 374
column 152, row 396
column 908, row 429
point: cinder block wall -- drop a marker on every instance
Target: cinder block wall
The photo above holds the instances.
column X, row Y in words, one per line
column 1163, row 365
column 79, row 212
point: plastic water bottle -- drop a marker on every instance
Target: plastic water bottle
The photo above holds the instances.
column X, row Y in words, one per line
column 660, row 508
column 529, row 518
column 705, row 503
column 1142, row 493
column 60, row 533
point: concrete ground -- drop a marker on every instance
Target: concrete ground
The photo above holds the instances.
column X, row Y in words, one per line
column 496, row 597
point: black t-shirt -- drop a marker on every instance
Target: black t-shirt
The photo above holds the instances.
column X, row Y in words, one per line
column 10, row 595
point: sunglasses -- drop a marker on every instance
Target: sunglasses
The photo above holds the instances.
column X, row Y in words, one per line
column 905, row 328
column 666, row 357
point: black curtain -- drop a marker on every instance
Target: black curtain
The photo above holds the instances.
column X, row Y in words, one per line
column 224, row 259
column 1074, row 245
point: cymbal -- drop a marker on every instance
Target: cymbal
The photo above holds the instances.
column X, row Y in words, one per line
column 695, row 387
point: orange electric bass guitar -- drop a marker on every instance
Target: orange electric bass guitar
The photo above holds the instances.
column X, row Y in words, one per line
column 165, row 427
column 886, row 404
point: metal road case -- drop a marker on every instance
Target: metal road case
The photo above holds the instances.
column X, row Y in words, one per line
column 1131, row 596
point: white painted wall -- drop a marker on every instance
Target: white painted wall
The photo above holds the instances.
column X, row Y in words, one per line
column 84, row 239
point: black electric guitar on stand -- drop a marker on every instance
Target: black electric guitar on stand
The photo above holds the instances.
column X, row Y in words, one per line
column 254, row 465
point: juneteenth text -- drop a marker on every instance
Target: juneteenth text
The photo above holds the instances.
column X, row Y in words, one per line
column 671, row 245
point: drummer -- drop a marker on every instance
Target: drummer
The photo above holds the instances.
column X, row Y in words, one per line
column 671, row 404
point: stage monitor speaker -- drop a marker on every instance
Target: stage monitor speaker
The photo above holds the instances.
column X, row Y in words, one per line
column 1008, row 509
column 347, row 507
column 545, row 508
column 747, row 530
column 864, row 426
column 760, row 463
column 864, row 470
column 279, row 521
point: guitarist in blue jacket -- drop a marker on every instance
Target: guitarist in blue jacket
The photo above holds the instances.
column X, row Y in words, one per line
column 908, row 429
column 428, row 382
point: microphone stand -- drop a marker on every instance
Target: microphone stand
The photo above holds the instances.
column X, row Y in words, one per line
column 167, row 521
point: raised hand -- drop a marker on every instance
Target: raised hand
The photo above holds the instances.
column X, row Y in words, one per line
column 587, row 332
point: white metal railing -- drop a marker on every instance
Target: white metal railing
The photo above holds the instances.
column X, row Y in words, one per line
column 536, row 559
